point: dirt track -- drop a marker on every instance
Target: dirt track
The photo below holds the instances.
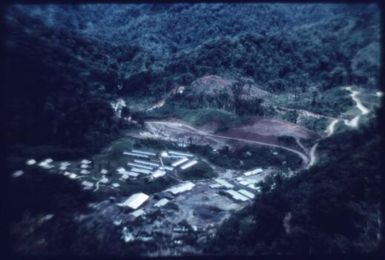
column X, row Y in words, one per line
column 163, row 128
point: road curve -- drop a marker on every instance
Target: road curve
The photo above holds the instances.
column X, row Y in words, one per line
column 303, row 156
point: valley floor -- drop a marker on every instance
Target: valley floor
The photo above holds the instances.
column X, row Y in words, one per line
column 188, row 217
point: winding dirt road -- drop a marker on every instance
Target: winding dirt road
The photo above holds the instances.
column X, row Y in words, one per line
column 353, row 123
column 185, row 128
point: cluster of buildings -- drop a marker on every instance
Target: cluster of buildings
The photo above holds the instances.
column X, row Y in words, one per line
column 151, row 165
column 154, row 165
column 140, row 163
column 249, row 181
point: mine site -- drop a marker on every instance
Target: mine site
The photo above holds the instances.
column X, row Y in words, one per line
column 162, row 130
column 187, row 212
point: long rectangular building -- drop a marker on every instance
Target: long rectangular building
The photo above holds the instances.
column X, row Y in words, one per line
column 247, row 193
column 168, row 168
column 252, row 172
column 132, row 174
column 224, row 183
column 140, row 166
column 137, row 213
column 143, row 152
column 185, row 186
column 135, row 200
column 161, row 203
column 140, row 170
column 146, row 163
column 136, row 154
column 237, row 195
column 179, row 162
column 180, row 154
column 188, row 165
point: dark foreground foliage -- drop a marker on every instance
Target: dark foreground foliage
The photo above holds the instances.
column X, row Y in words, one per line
column 332, row 208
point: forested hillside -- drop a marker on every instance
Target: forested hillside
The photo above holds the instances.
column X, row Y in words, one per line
column 63, row 56
column 332, row 208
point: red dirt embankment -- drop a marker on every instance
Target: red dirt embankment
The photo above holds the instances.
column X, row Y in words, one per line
column 270, row 128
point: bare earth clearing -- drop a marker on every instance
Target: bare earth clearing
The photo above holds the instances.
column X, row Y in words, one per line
column 263, row 132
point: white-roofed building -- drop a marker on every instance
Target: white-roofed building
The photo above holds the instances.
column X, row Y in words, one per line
column 87, row 184
column 179, row 162
column 224, row 183
column 30, row 162
column 185, row 186
column 158, row 173
column 176, row 156
column 141, row 166
column 252, row 172
column 249, row 181
column 168, row 168
column 253, row 187
column 140, row 170
column 247, row 193
column 17, row 173
column 73, row 176
column 132, row 174
column 161, row 203
column 121, row 170
column 124, row 176
column 146, row 163
column 143, row 152
column 188, row 165
column 137, row 213
column 136, row 154
column 237, row 196
column 135, row 200
column 84, row 171
column 180, row 154
column 104, row 179
column 46, row 164
column 85, row 161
